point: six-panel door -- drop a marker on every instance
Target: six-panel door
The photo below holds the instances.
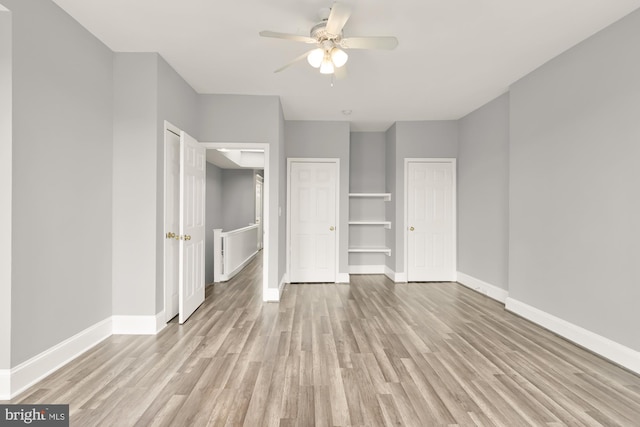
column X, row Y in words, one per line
column 313, row 221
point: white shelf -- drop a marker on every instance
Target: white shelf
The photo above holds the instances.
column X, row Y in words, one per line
column 372, row 208
column 386, row 224
column 385, row 196
column 371, row 250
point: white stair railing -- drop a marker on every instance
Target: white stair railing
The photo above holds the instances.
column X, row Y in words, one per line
column 233, row 250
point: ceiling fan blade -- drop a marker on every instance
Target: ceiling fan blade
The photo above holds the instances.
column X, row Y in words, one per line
column 337, row 18
column 285, row 36
column 299, row 58
column 369, row 43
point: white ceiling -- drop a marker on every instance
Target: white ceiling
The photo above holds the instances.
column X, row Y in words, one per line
column 453, row 55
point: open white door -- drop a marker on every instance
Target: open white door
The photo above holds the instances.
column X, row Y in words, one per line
column 192, row 227
column 171, row 224
column 431, row 225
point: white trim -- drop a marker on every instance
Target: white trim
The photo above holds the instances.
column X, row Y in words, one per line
column 136, row 325
column 6, row 189
column 161, row 322
column 395, row 277
column 336, row 161
column 611, row 350
column 343, row 278
column 492, row 291
column 454, row 212
column 367, row 269
column 283, row 282
column 5, row 384
column 38, row 367
column 266, row 217
column 272, row 295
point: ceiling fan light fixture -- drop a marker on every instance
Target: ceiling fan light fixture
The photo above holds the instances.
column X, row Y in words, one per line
column 327, row 66
column 339, row 57
column 315, row 57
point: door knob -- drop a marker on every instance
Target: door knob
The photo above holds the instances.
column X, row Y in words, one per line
column 185, row 237
column 411, row 228
column 331, row 228
column 171, row 235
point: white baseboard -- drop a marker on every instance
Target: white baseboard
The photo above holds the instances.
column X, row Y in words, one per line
column 367, row 269
column 138, row 325
column 343, row 278
column 617, row 353
column 395, row 277
column 15, row 380
column 492, row 291
column 23, row 376
column 283, row 282
column 161, row 322
column 271, row 295
column 5, row 384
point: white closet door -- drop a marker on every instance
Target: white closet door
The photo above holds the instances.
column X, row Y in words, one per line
column 313, row 221
column 192, row 227
column 430, row 221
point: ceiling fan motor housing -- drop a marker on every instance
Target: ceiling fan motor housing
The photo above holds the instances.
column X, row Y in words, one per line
column 319, row 32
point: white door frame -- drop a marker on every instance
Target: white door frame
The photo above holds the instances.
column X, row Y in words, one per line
column 265, row 202
column 259, row 182
column 454, row 244
column 336, row 161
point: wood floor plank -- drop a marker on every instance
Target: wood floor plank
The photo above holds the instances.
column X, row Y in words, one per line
column 369, row 353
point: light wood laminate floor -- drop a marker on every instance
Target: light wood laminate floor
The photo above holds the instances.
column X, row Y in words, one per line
column 371, row 353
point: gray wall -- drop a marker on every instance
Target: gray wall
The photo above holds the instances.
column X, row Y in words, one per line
column 134, row 183
column 483, row 193
column 5, row 187
column 390, row 187
column 62, row 169
column 177, row 104
column 238, row 197
column 574, row 231
column 367, row 175
column 282, row 195
column 421, row 139
column 243, row 118
column 320, row 139
column 147, row 91
column 367, row 162
column 213, row 215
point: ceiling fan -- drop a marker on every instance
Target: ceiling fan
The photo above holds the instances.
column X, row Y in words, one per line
column 329, row 54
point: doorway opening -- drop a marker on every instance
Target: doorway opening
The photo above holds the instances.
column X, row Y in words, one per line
column 240, row 160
